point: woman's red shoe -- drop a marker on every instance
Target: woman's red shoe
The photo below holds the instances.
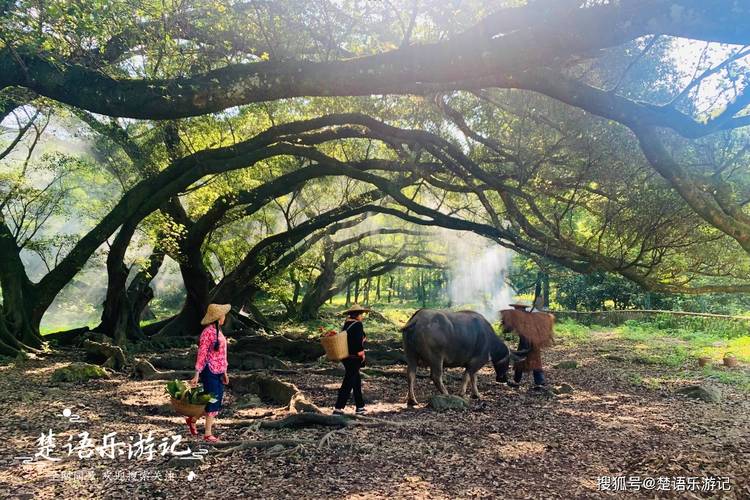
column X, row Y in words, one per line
column 191, row 425
column 210, row 439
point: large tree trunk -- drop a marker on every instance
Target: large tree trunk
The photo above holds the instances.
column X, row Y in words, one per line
column 366, row 290
column 121, row 315
column 19, row 316
column 140, row 292
column 20, row 319
column 320, row 291
column 19, row 331
column 196, row 278
column 422, row 289
column 7, row 340
column 292, row 304
column 198, row 284
column 297, row 287
column 117, row 320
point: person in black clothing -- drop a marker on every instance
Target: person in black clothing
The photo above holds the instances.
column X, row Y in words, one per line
column 538, row 373
column 355, row 336
column 534, row 331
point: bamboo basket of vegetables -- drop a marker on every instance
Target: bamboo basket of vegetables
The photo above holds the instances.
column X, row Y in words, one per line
column 335, row 344
column 186, row 400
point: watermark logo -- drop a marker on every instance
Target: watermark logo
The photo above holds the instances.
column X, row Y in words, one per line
column 663, row 483
column 55, row 447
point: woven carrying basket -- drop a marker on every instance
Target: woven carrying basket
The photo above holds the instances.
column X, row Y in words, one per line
column 336, row 346
column 730, row 360
column 187, row 409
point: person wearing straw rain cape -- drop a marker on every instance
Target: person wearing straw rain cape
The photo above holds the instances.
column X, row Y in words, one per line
column 211, row 366
column 355, row 337
column 534, row 330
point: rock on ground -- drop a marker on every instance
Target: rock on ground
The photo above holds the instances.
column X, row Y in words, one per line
column 441, row 402
column 563, row 389
column 705, row 393
column 78, row 372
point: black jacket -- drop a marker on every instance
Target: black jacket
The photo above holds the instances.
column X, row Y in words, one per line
column 355, row 337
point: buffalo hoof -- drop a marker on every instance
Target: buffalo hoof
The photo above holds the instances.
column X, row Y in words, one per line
column 513, row 384
column 475, row 396
column 411, row 404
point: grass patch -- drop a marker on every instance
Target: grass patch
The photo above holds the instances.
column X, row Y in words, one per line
column 737, row 379
column 397, row 314
column 46, row 330
column 685, row 325
column 634, row 379
column 653, row 383
column 671, row 359
column 740, row 379
column 674, row 348
column 575, row 333
column 684, row 343
column 740, row 347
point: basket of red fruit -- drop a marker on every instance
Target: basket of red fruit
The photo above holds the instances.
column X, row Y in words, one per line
column 335, row 344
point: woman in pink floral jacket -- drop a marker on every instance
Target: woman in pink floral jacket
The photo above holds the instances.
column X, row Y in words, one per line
column 211, row 365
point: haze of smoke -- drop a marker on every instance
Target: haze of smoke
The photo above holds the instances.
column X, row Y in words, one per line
column 168, row 285
column 477, row 278
column 80, row 302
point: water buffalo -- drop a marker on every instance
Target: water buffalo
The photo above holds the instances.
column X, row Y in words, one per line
column 451, row 339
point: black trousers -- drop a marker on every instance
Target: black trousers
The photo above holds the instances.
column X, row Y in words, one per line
column 352, row 382
column 537, row 372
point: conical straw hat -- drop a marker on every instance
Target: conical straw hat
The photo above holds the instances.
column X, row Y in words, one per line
column 356, row 308
column 214, row 312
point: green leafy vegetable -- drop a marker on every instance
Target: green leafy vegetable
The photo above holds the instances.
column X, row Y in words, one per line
column 179, row 389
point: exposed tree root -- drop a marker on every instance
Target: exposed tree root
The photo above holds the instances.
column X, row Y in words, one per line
column 146, row 371
column 67, row 337
column 247, row 420
column 372, row 421
column 299, row 420
column 110, row 356
column 273, row 389
column 227, row 447
column 8, row 350
column 295, row 421
column 328, row 437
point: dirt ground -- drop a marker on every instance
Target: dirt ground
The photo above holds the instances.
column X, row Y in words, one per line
column 511, row 444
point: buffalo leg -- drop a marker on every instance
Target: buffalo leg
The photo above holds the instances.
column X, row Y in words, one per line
column 411, row 379
column 464, row 383
column 436, row 370
column 474, row 389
